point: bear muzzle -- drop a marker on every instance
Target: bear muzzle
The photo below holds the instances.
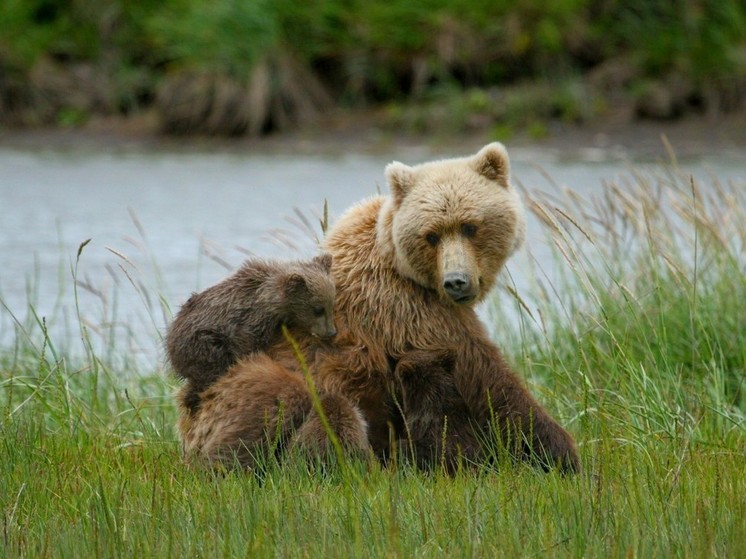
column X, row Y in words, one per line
column 459, row 287
column 324, row 329
column 327, row 334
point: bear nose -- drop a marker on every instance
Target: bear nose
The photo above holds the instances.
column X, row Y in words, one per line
column 330, row 331
column 327, row 334
column 456, row 285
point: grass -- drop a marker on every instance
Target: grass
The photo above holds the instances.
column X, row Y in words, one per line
column 636, row 344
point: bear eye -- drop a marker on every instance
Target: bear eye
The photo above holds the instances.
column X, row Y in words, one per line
column 432, row 239
column 469, row 229
column 318, row 311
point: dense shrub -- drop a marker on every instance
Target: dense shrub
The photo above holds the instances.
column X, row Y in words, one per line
column 662, row 58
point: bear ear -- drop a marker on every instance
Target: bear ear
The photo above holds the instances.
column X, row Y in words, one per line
column 447, row 360
column 492, row 162
column 294, row 283
column 400, row 178
column 323, row 261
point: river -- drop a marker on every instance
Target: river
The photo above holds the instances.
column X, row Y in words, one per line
column 164, row 223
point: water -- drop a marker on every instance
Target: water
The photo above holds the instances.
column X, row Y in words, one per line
column 169, row 223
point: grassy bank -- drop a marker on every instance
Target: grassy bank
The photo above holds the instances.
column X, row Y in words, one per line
column 235, row 67
column 636, row 344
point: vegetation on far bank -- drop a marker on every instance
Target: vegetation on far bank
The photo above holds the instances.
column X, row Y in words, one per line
column 637, row 344
column 235, row 67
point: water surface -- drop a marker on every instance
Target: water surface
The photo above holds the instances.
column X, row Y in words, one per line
column 163, row 224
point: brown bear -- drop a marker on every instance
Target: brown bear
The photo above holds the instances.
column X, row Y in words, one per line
column 244, row 314
column 424, row 402
column 409, row 269
column 261, row 407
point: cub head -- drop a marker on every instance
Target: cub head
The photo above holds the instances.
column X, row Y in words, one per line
column 450, row 225
column 309, row 297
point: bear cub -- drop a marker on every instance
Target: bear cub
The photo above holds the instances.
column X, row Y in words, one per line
column 431, row 417
column 244, row 314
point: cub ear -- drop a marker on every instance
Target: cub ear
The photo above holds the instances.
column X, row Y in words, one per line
column 447, row 360
column 323, row 261
column 294, row 282
column 400, row 178
column 492, row 162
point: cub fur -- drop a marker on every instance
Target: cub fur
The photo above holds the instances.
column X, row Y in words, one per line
column 244, row 314
column 430, row 410
column 261, row 409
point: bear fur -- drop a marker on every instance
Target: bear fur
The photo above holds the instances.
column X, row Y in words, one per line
column 260, row 408
column 244, row 314
column 409, row 269
column 423, row 399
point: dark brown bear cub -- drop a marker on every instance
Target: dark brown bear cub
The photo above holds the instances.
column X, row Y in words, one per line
column 431, row 427
column 244, row 314
column 432, row 418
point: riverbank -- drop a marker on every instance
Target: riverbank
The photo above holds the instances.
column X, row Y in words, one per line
column 369, row 132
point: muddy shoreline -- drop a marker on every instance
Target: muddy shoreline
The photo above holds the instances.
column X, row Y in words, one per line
column 601, row 139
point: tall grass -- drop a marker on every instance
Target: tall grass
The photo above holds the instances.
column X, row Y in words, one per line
column 635, row 342
column 652, row 273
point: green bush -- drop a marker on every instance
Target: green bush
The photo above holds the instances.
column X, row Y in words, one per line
column 372, row 51
column 224, row 36
column 700, row 39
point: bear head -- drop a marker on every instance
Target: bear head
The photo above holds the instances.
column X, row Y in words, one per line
column 450, row 225
column 309, row 294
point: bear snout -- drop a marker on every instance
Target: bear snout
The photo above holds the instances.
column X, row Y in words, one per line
column 459, row 287
column 326, row 333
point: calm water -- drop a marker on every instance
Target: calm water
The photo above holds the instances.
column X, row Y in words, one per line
column 170, row 223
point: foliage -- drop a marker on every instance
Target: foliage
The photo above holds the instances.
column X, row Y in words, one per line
column 700, row 38
column 370, row 51
column 224, row 36
column 526, row 106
